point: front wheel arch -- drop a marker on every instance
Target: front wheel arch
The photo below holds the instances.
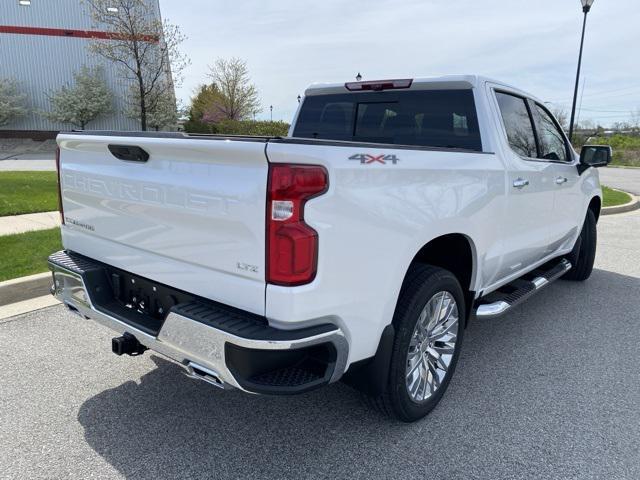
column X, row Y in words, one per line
column 595, row 205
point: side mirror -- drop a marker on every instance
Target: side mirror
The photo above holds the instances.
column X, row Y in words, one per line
column 595, row 156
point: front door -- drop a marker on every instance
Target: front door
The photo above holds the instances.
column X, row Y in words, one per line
column 554, row 148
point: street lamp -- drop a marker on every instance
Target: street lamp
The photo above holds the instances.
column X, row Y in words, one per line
column 358, row 77
column 586, row 6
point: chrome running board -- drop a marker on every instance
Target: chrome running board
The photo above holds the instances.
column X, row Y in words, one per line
column 504, row 299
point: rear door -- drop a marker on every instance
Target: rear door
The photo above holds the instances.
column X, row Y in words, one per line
column 191, row 216
column 530, row 187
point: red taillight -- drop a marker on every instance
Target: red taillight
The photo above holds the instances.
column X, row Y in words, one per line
column 59, row 185
column 378, row 85
column 292, row 245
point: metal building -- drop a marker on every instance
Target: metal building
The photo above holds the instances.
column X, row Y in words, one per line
column 42, row 44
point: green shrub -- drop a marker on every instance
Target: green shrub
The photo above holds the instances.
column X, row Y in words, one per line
column 239, row 127
column 195, row 126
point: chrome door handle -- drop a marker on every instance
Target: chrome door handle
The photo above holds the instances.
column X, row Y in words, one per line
column 561, row 180
column 520, row 182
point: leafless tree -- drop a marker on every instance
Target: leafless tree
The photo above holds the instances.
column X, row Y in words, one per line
column 145, row 49
column 587, row 124
column 238, row 98
column 561, row 116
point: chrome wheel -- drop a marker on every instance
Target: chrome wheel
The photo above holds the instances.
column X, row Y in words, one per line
column 432, row 346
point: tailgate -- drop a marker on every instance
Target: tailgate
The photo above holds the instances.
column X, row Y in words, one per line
column 192, row 216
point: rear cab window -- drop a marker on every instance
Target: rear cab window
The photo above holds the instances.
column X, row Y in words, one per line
column 426, row 118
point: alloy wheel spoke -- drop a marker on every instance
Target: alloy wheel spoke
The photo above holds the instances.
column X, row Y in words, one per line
column 443, row 330
column 434, row 374
column 443, row 349
column 413, row 367
column 439, row 362
column 436, row 310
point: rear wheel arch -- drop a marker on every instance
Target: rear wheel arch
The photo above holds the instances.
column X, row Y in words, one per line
column 454, row 252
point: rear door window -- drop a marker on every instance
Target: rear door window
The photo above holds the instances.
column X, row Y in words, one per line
column 429, row 118
column 518, row 124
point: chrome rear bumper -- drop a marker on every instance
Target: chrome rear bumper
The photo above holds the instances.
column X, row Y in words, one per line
column 200, row 348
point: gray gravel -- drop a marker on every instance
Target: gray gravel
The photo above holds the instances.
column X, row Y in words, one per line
column 550, row 391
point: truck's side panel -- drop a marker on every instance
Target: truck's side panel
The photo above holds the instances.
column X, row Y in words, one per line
column 374, row 219
column 192, row 216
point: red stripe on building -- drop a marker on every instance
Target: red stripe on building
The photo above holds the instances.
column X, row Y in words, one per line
column 64, row 32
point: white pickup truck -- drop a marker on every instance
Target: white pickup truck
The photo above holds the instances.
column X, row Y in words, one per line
column 356, row 248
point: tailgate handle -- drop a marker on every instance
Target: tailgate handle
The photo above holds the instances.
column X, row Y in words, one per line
column 131, row 153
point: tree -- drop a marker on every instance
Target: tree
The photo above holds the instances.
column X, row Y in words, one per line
column 145, row 49
column 238, row 97
column 587, row 124
column 12, row 103
column 162, row 112
column 83, row 102
column 202, row 102
column 561, row 116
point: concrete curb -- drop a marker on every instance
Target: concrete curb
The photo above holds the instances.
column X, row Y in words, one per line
column 634, row 204
column 24, row 288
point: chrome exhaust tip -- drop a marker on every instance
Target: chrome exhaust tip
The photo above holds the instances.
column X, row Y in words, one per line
column 205, row 374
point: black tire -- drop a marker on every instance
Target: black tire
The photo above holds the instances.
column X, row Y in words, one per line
column 421, row 284
column 584, row 252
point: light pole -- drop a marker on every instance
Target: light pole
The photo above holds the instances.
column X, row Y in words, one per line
column 358, row 77
column 271, row 109
column 586, row 6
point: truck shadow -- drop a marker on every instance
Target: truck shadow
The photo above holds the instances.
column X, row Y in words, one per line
column 521, row 383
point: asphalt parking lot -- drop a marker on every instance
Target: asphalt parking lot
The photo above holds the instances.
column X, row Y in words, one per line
column 627, row 179
column 550, row 391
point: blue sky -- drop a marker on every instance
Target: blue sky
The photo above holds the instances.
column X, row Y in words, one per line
column 532, row 44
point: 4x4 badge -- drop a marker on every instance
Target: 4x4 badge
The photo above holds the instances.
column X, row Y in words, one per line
column 365, row 158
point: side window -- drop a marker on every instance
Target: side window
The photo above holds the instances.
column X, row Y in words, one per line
column 517, row 122
column 552, row 145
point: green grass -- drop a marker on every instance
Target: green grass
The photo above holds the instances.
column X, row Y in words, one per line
column 26, row 253
column 28, row 192
column 614, row 197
